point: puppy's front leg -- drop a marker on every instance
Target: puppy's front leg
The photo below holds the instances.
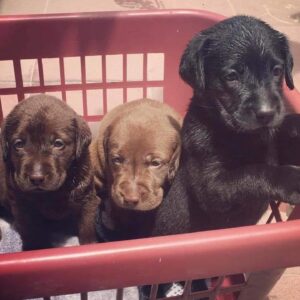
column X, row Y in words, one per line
column 256, row 182
column 31, row 229
column 87, row 222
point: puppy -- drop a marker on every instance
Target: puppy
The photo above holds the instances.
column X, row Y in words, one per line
column 48, row 172
column 288, row 141
column 135, row 158
column 229, row 168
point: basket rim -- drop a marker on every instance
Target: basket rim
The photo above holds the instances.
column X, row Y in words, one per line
column 108, row 14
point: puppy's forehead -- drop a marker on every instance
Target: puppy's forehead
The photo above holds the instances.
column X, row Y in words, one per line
column 139, row 139
column 246, row 39
column 38, row 117
column 46, row 122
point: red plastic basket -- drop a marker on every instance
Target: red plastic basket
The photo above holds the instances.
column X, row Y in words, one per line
column 109, row 43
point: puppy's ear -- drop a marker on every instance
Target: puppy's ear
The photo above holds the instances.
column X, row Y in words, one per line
column 83, row 136
column 288, row 62
column 174, row 162
column 191, row 67
column 105, row 145
column 99, row 156
column 3, row 140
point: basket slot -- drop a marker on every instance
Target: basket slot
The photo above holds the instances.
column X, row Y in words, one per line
column 73, row 69
column 93, row 69
column 119, row 295
column 275, row 212
column 51, row 71
column 134, row 93
column 84, row 296
column 41, row 72
column 134, row 67
column 145, row 73
column 124, row 68
column 7, row 74
column 114, row 97
column 114, row 68
column 216, row 285
column 83, row 79
column 94, row 102
column 75, row 100
column 7, row 103
column 155, row 66
column 104, row 80
column 187, row 289
column 153, row 292
column 19, row 79
column 62, row 76
column 29, row 70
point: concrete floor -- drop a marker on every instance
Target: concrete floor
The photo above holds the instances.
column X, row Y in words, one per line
column 283, row 15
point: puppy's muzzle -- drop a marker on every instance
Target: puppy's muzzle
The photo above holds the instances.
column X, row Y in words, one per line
column 36, row 176
column 131, row 194
column 265, row 116
column 130, row 200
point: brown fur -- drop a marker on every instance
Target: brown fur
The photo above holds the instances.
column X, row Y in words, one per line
column 136, row 155
column 48, row 172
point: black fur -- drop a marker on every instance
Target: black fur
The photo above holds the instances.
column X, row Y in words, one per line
column 229, row 167
column 288, row 141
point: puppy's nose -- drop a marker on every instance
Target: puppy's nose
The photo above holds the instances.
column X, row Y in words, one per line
column 131, row 200
column 37, row 178
column 264, row 116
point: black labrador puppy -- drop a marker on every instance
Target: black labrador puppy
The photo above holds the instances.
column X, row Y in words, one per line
column 48, row 177
column 229, row 169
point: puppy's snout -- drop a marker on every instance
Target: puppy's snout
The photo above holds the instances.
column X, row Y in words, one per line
column 131, row 200
column 131, row 194
column 37, row 178
column 265, row 116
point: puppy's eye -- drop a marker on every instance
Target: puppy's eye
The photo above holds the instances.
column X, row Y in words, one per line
column 155, row 163
column 117, row 160
column 277, row 71
column 19, row 144
column 59, row 144
column 232, row 76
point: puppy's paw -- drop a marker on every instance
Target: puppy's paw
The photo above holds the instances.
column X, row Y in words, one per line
column 294, row 198
column 290, row 182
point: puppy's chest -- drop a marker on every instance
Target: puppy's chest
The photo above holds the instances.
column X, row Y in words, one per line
column 57, row 208
column 247, row 150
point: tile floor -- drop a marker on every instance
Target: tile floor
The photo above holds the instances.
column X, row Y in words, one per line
column 284, row 15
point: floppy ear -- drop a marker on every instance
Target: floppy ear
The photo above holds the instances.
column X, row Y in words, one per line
column 105, row 145
column 288, row 62
column 3, row 140
column 174, row 162
column 191, row 67
column 83, row 136
column 99, row 158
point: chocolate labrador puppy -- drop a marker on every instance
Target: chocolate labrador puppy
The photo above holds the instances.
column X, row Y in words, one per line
column 229, row 169
column 135, row 157
column 48, row 172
